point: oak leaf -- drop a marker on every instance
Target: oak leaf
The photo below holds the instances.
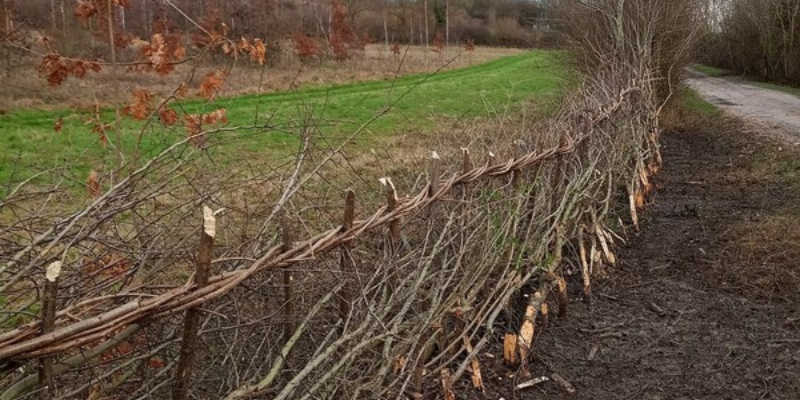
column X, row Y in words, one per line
column 211, row 85
column 59, row 124
column 93, row 184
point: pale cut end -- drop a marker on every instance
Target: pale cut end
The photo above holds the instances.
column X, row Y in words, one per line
column 435, row 156
column 209, row 222
column 387, row 182
column 53, row 271
column 510, row 349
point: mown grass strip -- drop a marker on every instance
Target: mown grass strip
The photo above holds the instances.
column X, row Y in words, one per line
column 29, row 142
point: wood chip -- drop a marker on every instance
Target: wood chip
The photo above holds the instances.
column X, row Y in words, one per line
column 593, row 353
column 564, row 383
column 447, row 385
column 533, row 382
column 617, row 335
column 477, row 378
column 510, row 349
column 656, row 309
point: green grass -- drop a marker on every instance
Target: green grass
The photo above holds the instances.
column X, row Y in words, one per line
column 694, row 102
column 780, row 88
column 709, row 70
column 29, row 143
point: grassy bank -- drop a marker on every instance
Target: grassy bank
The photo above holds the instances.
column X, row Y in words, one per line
column 271, row 123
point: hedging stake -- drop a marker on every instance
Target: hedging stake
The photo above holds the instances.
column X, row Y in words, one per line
column 346, row 260
column 391, row 205
column 49, row 298
column 193, row 315
column 288, row 308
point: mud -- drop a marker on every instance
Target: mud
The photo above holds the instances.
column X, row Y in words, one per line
column 705, row 303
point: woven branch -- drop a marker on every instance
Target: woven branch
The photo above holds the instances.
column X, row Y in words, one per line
column 22, row 343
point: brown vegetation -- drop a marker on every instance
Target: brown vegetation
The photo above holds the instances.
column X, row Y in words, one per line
column 28, row 90
column 758, row 38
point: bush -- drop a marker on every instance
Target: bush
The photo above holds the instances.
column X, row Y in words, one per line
column 757, row 38
column 651, row 38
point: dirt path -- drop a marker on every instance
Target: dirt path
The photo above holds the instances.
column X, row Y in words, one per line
column 705, row 304
column 775, row 111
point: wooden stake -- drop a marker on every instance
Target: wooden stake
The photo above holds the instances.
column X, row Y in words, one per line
column 49, row 302
column 436, row 162
column 516, row 175
column 391, row 205
column 433, row 187
column 466, row 165
column 346, row 260
column 193, row 318
column 288, row 302
column 477, row 378
column 426, row 351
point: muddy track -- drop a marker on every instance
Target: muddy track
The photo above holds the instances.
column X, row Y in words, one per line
column 698, row 308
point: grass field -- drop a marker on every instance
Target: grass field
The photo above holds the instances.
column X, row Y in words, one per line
column 415, row 104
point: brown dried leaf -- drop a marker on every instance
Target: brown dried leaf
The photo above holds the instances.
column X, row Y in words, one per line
column 141, row 108
column 85, row 9
column 258, row 51
column 100, row 129
column 211, row 85
column 59, row 124
column 219, row 116
column 244, row 45
column 182, row 90
column 93, row 185
column 399, row 365
column 55, row 69
column 168, row 116
column 194, row 129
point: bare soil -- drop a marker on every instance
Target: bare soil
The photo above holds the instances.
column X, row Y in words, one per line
column 705, row 303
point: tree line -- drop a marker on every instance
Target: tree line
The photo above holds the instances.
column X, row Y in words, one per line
column 418, row 22
column 758, row 38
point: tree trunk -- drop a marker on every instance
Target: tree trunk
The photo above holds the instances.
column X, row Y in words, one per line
column 53, row 15
column 411, row 28
column 386, row 22
column 425, row 17
column 63, row 17
column 122, row 19
column 111, row 32
column 447, row 22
